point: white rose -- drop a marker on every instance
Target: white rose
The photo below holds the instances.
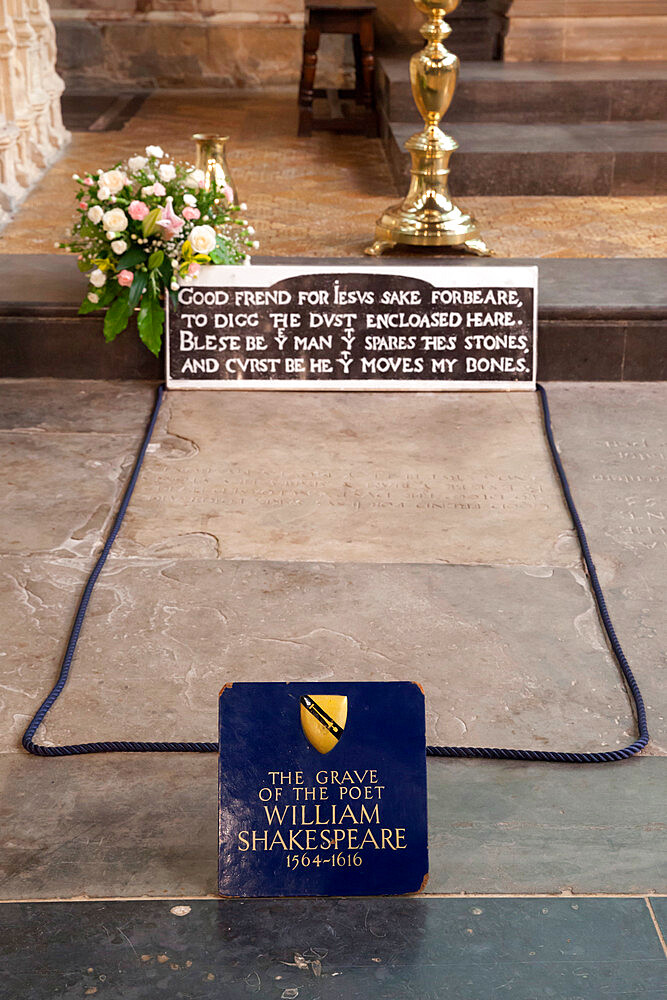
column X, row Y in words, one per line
column 190, row 200
column 146, row 192
column 97, row 278
column 95, row 214
column 136, row 163
column 115, row 180
column 103, row 192
column 115, row 220
column 156, row 151
column 195, row 178
column 202, row 239
column 93, row 297
column 119, row 246
column 167, row 172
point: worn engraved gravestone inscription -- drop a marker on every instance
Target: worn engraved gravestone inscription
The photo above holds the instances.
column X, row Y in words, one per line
column 322, row 789
column 417, row 328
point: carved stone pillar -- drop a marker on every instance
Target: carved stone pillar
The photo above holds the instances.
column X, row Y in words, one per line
column 11, row 174
column 31, row 128
column 51, row 83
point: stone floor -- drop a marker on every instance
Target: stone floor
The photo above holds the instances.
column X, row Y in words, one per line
column 270, row 164
column 299, row 538
column 433, row 949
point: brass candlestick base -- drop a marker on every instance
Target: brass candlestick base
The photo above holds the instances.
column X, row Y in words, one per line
column 427, row 217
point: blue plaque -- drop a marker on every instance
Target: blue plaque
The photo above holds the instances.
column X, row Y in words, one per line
column 322, row 789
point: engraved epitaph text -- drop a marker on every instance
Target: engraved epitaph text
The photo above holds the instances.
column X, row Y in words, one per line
column 413, row 328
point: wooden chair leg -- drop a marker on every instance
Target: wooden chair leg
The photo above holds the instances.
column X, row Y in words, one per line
column 358, row 71
column 311, row 41
column 367, row 46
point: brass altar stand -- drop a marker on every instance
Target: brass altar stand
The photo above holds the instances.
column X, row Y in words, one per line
column 427, row 217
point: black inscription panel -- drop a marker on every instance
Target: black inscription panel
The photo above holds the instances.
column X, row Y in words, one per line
column 276, row 327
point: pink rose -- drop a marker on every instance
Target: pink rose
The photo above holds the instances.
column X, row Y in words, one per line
column 83, row 205
column 138, row 210
column 228, row 193
column 193, row 269
column 159, row 189
column 125, row 278
column 170, row 222
column 191, row 213
column 89, row 182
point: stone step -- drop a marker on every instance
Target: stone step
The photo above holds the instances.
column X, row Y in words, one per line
column 601, row 158
column 599, row 319
column 525, row 93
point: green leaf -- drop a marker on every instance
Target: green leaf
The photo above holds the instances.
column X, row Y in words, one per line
column 106, row 295
column 151, row 323
column 155, row 259
column 137, row 287
column 117, row 318
column 87, row 307
column 149, row 225
column 131, row 258
column 225, row 252
column 166, row 272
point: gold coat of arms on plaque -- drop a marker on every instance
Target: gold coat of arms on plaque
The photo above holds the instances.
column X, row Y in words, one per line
column 323, row 719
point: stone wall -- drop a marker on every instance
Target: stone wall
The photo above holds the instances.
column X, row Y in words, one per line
column 587, row 30
column 478, row 27
column 31, row 127
column 178, row 43
column 234, row 43
column 255, row 43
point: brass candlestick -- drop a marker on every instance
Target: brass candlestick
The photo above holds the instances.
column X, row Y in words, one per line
column 427, row 217
column 212, row 160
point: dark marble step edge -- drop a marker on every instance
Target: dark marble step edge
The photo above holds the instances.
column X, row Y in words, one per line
column 50, row 284
column 525, row 93
column 599, row 320
column 395, row 64
column 570, row 138
column 529, row 171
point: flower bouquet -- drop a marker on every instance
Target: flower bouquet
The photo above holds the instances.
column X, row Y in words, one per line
column 143, row 226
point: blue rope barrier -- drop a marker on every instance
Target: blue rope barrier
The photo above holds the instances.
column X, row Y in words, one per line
column 494, row 753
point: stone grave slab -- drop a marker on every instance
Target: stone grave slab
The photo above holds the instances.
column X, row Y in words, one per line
column 59, row 489
column 614, row 443
column 385, row 477
column 67, row 405
column 507, row 656
column 146, row 825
